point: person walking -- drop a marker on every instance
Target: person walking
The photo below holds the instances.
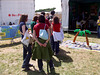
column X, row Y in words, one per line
column 42, row 49
column 26, row 50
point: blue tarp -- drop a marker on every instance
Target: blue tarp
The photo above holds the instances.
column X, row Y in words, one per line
column 9, row 32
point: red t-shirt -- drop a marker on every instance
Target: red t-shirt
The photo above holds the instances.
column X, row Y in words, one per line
column 47, row 22
column 39, row 26
column 56, row 27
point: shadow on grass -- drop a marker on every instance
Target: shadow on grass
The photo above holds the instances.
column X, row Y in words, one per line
column 36, row 72
column 10, row 45
column 31, row 72
column 62, row 57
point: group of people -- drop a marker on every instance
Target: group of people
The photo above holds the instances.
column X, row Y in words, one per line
column 82, row 24
column 42, row 49
column 10, row 23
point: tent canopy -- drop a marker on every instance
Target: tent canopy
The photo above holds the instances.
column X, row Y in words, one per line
column 84, row 9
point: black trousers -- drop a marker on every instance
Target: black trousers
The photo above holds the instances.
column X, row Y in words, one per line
column 40, row 64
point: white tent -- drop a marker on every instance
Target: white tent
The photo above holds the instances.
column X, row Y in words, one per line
column 65, row 14
column 10, row 10
column 76, row 7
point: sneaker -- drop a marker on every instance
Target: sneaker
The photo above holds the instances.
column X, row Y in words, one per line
column 30, row 65
column 23, row 66
column 26, row 69
column 41, row 70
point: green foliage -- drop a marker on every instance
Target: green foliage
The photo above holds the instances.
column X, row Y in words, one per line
column 80, row 33
column 84, row 33
column 46, row 10
column 76, row 30
column 87, row 31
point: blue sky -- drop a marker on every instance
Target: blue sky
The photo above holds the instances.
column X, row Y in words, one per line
column 43, row 4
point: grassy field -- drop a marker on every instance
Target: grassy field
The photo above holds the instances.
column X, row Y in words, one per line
column 67, row 62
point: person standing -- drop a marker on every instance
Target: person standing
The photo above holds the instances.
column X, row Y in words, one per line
column 78, row 24
column 48, row 17
column 46, row 20
column 98, row 22
column 42, row 49
column 34, row 22
column 52, row 14
column 10, row 23
column 56, row 28
column 26, row 50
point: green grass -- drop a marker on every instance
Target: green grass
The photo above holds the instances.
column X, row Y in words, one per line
column 67, row 62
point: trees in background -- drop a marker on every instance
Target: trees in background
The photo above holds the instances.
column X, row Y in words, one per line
column 46, row 10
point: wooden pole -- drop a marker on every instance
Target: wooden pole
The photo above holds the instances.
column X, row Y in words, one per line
column 75, row 37
column 87, row 41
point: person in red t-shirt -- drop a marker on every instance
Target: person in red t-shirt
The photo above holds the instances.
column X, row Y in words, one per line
column 55, row 27
column 47, row 21
column 42, row 48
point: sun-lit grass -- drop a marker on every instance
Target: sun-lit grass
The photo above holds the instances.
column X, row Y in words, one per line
column 67, row 62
